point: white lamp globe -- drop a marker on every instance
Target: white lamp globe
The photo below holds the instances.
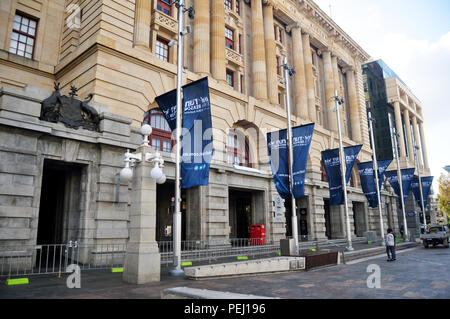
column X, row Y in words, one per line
column 162, row 180
column 126, row 174
column 146, row 130
column 156, row 173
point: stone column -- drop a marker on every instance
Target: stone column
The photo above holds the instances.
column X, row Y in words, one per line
column 337, row 86
column 218, row 40
column 309, row 78
column 258, row 52
column 424, row 146
column 202, row 46
column 329, row 91
column 142, row 23
column 417, row 140
column 300, row 91
column 399, row 128
column 408, row 134
column 355, row 121
column 142, row 259
column 271, row 57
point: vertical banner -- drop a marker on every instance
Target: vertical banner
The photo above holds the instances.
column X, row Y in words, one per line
column 168, row 105
column 407, row 177
column 427, row 182
column 197, row 145
column 367, row 175
column 279, row 159
column 301, row 143
column 278, row 154
column 197, row 137
column 332, row 163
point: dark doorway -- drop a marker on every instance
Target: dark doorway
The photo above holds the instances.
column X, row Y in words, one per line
column 240, row 206
column 59, row 203
column 326, row 207
column 302, row 221
column 164, row 212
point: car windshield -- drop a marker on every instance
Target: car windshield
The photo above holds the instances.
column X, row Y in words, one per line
column 435, row 229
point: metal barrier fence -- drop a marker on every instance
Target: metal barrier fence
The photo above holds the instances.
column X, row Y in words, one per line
column 54, row 259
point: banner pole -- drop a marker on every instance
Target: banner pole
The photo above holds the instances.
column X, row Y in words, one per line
column 394, row 138
column 343, row 170
column 177, row 271
column 377, row 179
column 287, row 72
column 417, row 165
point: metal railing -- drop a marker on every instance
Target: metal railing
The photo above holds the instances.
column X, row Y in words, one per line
column 54, row 259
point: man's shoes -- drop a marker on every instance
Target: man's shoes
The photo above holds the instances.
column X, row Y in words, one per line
column 390, row 260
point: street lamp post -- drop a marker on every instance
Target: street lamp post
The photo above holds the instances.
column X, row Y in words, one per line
column 394, row 138
column 288, row 72
column 339, row 102
column 177, row 271
column 417, row 165
column 377, row 179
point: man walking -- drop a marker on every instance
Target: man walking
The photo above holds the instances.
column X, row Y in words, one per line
column 390, row 246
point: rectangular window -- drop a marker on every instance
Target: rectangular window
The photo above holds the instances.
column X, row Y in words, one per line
column 23, row 37
column 162, row 49
column 280, row 35
column 238, row 7
column 230, row 79
column 242, row 84
column 229, row 38
column 228, row 4
column 278, row 66
column 164, row 6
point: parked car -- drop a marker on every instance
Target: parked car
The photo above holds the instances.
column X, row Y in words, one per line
column 435, row 235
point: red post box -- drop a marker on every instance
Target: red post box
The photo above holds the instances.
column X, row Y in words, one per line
column 257, row 235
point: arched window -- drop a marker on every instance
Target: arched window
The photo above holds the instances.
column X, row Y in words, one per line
column 161, row 138
column 238, row 150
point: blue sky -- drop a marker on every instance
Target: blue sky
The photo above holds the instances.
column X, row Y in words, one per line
column 413, row 38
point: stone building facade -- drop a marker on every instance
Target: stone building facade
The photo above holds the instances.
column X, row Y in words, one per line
column 119, row 51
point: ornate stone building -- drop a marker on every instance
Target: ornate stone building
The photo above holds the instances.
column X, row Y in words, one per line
column 121, row 52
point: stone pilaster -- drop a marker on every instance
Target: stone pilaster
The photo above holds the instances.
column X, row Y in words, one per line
column 329, row 91
column 300, row 91
column 417, row 140
column 202, row 46
column 258, row 52
column 337, row 86
column 142, row 23
column 399, row 128
column 424, row 146
column 408, row 135
column 355, row 120
column 271, row 65
column 218, row 40
column 309, row 78
column 142, row 260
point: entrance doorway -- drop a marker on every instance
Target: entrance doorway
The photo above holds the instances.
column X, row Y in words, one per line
column 326, row 207
column 359, row 218
column 59, row 208
column 164, row 212
column 302, row 220
column 240, row 214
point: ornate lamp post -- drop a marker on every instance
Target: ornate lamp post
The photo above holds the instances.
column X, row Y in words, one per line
column 144, row 170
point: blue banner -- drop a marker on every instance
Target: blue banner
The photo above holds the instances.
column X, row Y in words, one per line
column 407, row 177
column 279, row 159
column 367, row 175
column 197, row 138
column 427, row 182
column 301, row 142
column 332, row 163
column 197, row 147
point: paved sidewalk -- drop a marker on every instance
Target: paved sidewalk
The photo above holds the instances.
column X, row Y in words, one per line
column 418, row 273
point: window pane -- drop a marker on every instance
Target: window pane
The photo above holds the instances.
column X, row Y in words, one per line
column 16, row 26
column 29, row 49
column 30, row 41
column 31, row 31
column 21, row 53
column 21, row 47
column 14, row 36
column 32, row 24
column 28, row 55
column 24, row 28
column 23, row 38
column 13, row 44
column 17, row 18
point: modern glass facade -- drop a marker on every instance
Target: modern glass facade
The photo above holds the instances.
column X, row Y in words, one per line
column 376, row 101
